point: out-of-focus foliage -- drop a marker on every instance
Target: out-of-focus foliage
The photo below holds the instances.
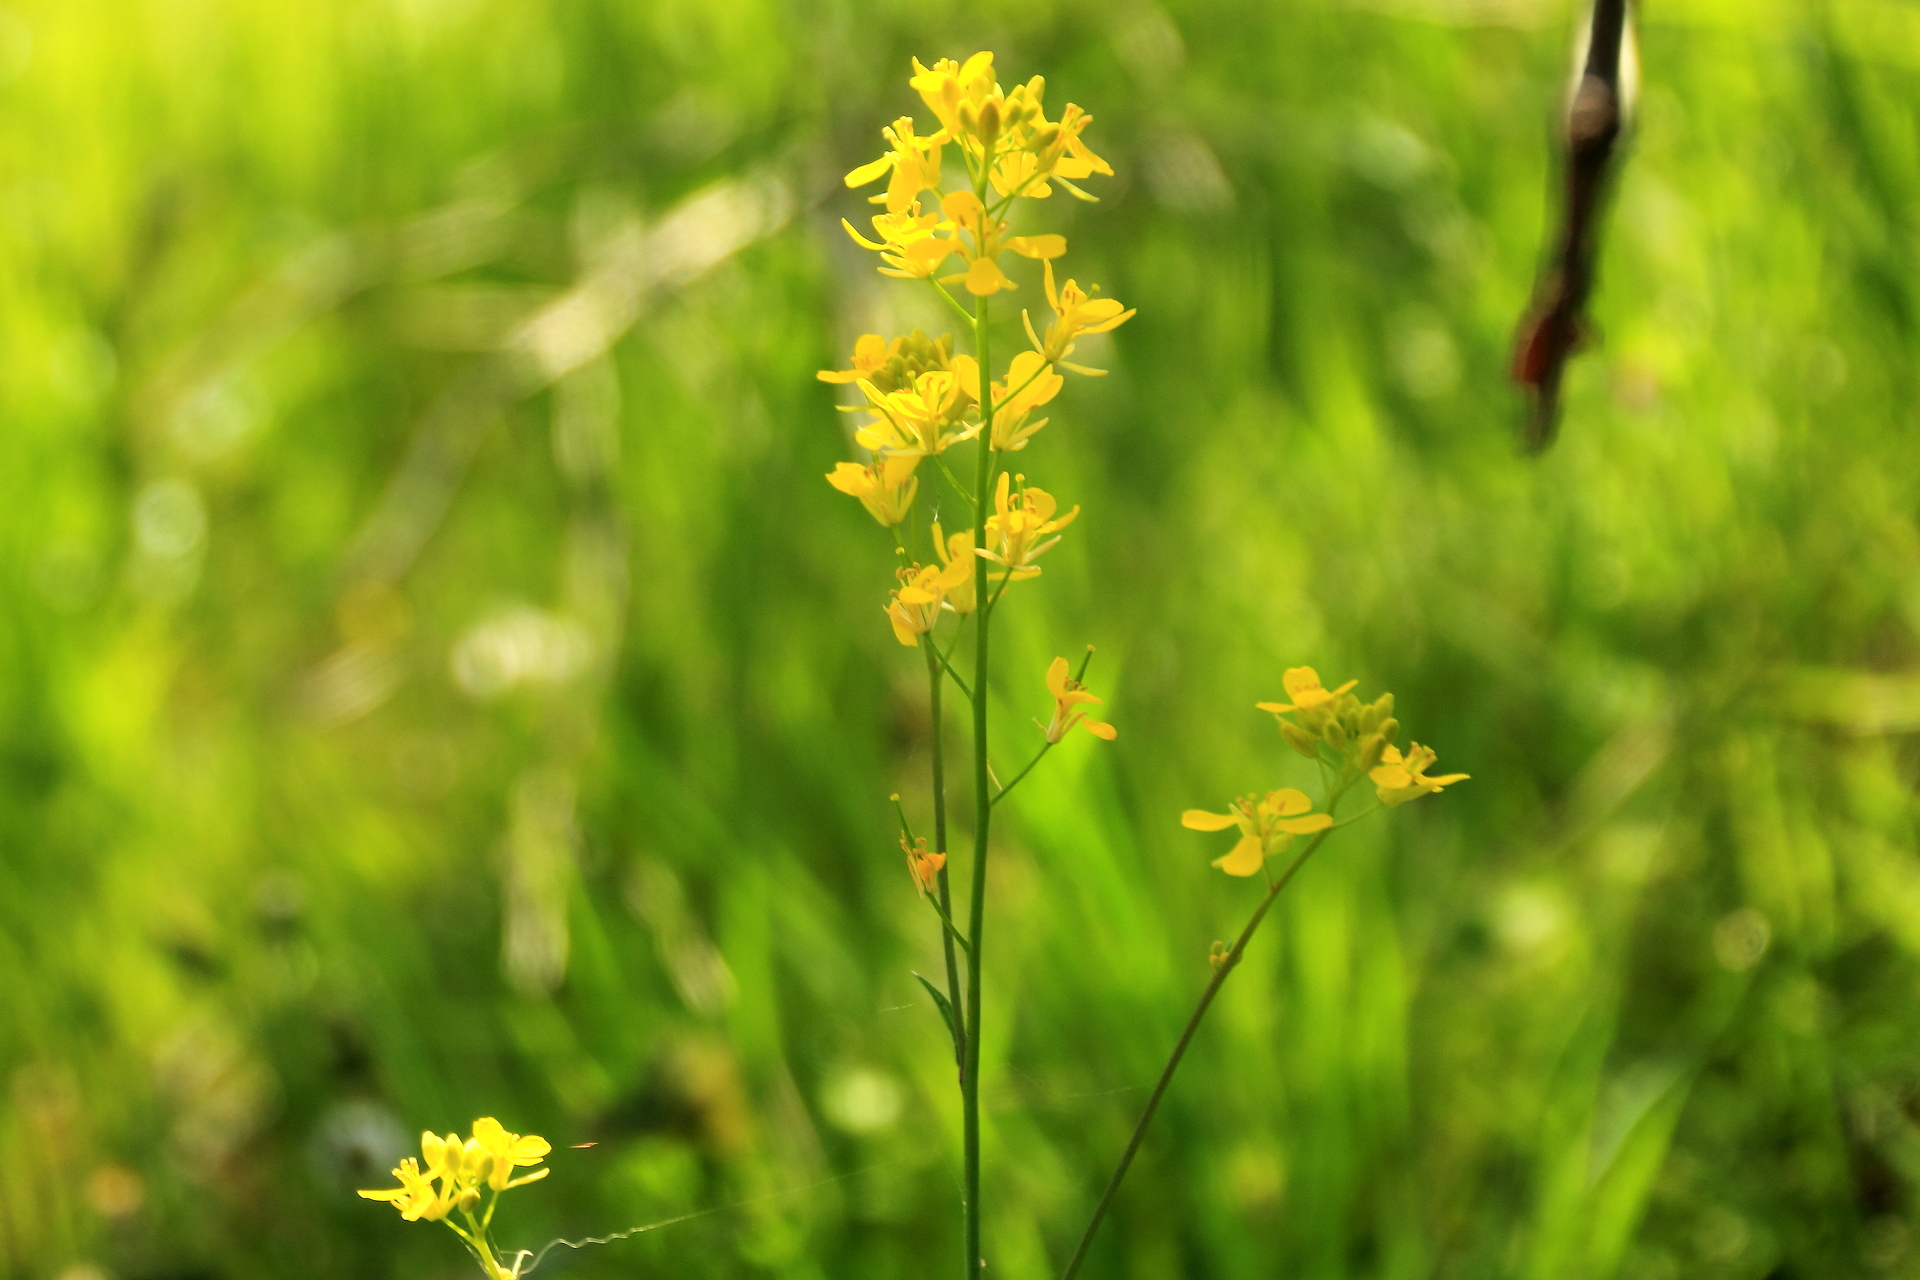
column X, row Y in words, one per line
column 435, row 680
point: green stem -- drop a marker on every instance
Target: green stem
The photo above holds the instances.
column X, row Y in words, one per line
column 940, row 847
column 1007, row 790
column 1220, row 973
column 982, row 807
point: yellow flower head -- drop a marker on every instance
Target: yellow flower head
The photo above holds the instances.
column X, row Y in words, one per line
column 915, row 163
column 947, row 86
column 1075, row 313
column 1303, row 686
column 1399, row 778
column 1034, row 383
column 1017, row 531
column 908, row 243
column 923, row 866
column 460, row 1167
column 893, row 365
column 1068, row 696
column 914, row 609
column 885, row 486
column 503, row 1152
column 915, row 420
column 1267, row 825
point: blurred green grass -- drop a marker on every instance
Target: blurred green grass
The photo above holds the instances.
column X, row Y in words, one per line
column 422, row 696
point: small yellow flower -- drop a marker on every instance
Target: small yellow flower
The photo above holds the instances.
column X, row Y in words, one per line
column 1075, row 313
column 1303, row 686
column 915, row 163
column 869, row 357
column 923, row 866
column 986, row 239
column 914, row 420
column 908, row 243
column 1068, row 696
column 1267, row 825
column 947, row 84
column 1399, row 778
column 956, row 553
column 414, row 1197
column 505, row 1152
column 885, row 486
column 1034, row 383
column 914, row 609
column 1017, row 531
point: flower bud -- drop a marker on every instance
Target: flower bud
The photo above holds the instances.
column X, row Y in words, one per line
column 1389, row 729
column 1219, row 956
column 969, row 118
column 989, row 125
column 1300, row 740
column 468, row 1199
column 1044, row 137
column 1370, row 748
column 1336, row 734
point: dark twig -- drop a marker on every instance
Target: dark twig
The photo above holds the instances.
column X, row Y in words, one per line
column 1555, row 328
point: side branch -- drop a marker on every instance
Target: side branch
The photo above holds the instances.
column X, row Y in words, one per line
column 1226, row 966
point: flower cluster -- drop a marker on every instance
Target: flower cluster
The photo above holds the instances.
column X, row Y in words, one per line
column 918, row 399
column 457, row 1171
column 1351, row 739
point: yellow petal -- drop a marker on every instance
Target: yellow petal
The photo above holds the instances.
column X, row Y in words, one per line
column 1057, row 678
column 1201, row 820
column 868, row 172
column 1305, row 826
column 1275, row 707
column 1288, row 801
column 1390, row 776
column 1246, row 859
column 965, row 208
column 1101, row 729
column 985, row 278
column 1047, row 246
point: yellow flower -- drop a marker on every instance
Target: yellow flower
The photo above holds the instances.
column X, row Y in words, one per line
column 947, row 84
column 1068, row 695
column 1267, row 825
column 869, row 357
column 986, row 240
column 913, row 419
column 505, row 1152
column 1016, row 530
column 1074, row 313
column 914, row 609
column 915, row 163
column 956, row 554
column 1399, row 778
column 923, row 866
column 885, row 486
column 1303, row 686
column 414, row 1197
column 1039, row 151
column 907, row 242
column 1034, row 383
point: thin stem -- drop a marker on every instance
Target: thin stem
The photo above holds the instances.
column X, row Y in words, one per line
column 982, row 798
column 951, row 300
column 1225, row 967
column 940, row 847
column 1006, row 790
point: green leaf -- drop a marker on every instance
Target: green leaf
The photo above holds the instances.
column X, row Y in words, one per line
column 946, row 1011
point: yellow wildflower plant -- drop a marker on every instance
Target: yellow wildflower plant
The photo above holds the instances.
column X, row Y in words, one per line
column 1267, row 825
column 463, row 1168
column 1069, row 695
column 885, row 486
column 1400, row 778
column 924, row 400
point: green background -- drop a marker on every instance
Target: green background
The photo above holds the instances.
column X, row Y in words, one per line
column 436, row 681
